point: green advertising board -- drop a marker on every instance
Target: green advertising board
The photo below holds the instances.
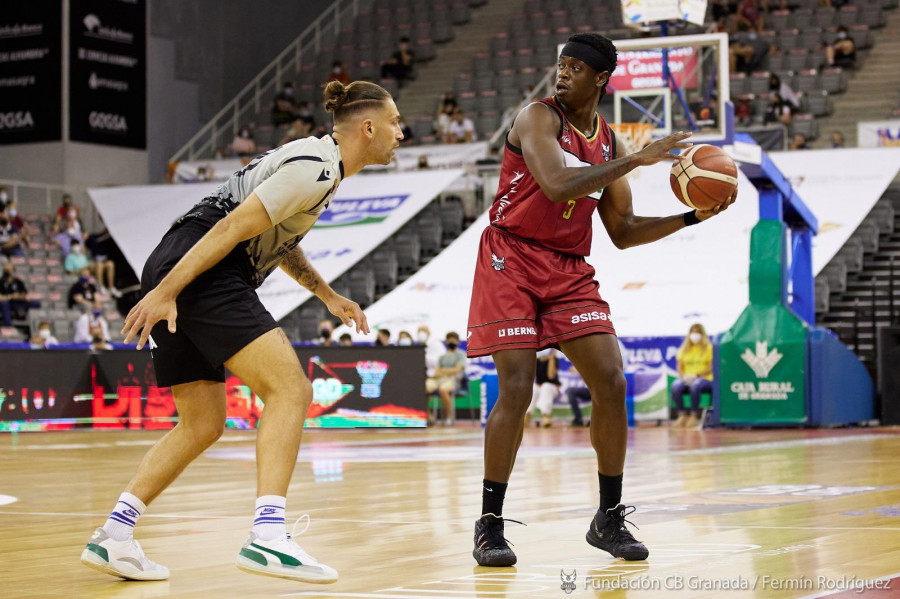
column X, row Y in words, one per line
column 763, row 357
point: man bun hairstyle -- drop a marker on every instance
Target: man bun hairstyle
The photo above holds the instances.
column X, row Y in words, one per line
column 345, row 101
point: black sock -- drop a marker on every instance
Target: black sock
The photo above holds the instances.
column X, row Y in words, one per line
column 492, row 495
column 610, row 491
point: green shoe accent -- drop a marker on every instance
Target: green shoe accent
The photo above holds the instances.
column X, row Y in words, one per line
column 252, row 555
column 286, row 560
column 101, row 551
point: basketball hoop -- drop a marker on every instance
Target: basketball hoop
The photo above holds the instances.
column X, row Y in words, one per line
column 634, row 136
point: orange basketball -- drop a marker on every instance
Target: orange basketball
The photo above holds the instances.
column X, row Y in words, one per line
column 705, row 178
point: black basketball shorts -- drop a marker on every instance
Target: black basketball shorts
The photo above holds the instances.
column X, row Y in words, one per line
column 219, row 313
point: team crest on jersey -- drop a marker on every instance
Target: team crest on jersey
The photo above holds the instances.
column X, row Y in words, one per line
column 498, row 263
column 606, row 153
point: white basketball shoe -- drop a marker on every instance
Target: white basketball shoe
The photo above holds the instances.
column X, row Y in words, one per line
column 283, row 558
column 124, row 559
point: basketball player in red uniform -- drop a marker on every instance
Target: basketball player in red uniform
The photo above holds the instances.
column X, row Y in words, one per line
column 533, row 288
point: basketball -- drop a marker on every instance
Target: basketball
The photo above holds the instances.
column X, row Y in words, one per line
column 705, row 178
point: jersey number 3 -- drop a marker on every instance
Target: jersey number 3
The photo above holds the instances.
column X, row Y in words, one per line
column 568, row 213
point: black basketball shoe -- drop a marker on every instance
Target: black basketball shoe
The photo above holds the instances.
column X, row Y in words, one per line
column 491, row 547
column 608, row 532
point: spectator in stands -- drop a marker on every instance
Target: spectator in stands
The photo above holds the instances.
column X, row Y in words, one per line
column 721, row 10
column 70, row 231
column 76, row 260
column 404, row 338
column 383, row 338
column 778, row 111
column 799, row 142
column 4, row 197
column 423, row 163
column 102, row 247
column 13, row 296
column 83, row 291
column 408, row 136
column 299, row 129
column 745, row 56
column 400, row 65
column 461, row 129
column 842, row 53
column 10, row 240
column 66, row 210
column 837, row 140
column 776, row 85
column 450, row 367
column 243, row 143
column 546, row 387
column 576, row 395
column 694, row 363
column 434, row 349
column 339, row 73
column 345, row 340
column 92, row 326
column 305, row 114
column 284, row 107
column 12, row 212
column 446, row 108
column 747, row 18
column 326, row 328
column 43, row 337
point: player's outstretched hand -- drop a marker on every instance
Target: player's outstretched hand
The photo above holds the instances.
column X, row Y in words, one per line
column 659, row 149
column 705, row 214
column 152, row 308
column 349, row 312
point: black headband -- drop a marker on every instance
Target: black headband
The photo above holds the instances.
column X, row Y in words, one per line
column 587, row 55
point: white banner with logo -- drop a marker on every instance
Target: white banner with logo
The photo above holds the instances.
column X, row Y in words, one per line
column 651, row 11
column 696, row 275
column 878, row 134
column 365, row 212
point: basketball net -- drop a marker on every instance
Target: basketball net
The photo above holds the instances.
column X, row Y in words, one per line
column 634, row 136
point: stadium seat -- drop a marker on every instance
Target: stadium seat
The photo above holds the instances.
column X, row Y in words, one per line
column 797, row 59
column 851, row 255
column 873, row 16
column 834, row 80
column 848, row 16
column 451, row 212
column 776, row 64
column 430, row 233
column 805, row 124
column 500, row 42
column 808, row 81
column 778, row 19
column 867, row 233
column 822, row 295
column 362, row 284
column 488, row 100
column 462, row 84
column 801, row 18
column 385, row 268
column 443, row 31
column 825, row 17
column 739, row 84
column 882, row 216
column 788, row 39
column 759, row 83
column 487, row 123
column 818, row 104
column 460, row 14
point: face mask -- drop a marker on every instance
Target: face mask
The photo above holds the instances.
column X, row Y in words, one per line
column 451, row 346
column 325, row 333
column 842, row 35
column 73, row 214
column 83, row 279
column 695, row 337
column 245, row 134
column 97, row 313
column 422, row 336
column 752, row 36
column 289, row 91
column 405, row 341
column 336, row 70
column 13, row 212
column 77, row 249
column 4, row 196
column 44, row 334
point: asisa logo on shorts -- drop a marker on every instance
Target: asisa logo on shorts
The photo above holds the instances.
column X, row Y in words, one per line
column 589, row 317
column 359, row 211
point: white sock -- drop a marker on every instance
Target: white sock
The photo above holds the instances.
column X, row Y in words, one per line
column 121, row 522
column 268, row 524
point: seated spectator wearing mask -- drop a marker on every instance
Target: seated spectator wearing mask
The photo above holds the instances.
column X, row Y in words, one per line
column 843, row 52
column 13, row 296
column 777, row 86
column 546, row 387
column 92, row 325
column 82, row 292
column 67, row 209
column 326, row 328
column 694, row 375
column 4, row 198
column 76, row 260
column 284, row 105
column 10, row 240
column 837, row 140
column 12, row 213
column 339, row 73
column 445, row 381
column 43, row 337
column 243, row 143
column 404, row 338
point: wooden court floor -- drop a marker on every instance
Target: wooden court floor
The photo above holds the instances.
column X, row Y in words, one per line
column 730, row 514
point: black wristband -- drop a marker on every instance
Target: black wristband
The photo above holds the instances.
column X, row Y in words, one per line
column 690, row 218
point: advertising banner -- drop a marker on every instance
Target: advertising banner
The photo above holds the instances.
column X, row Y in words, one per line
column 108, row 72
column 30, row 72
column 642, row 69
column 878, row 134
column 59, row 389
column 365, row 212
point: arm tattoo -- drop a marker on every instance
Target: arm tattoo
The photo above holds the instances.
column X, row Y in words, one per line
column 590, row 179
column 296, row 265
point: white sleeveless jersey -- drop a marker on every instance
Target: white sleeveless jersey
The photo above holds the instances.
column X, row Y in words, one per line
column 295, row 183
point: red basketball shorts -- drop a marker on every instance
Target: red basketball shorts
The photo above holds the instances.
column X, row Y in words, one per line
column 528, row 297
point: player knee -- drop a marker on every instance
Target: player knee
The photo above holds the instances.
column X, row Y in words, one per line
column 609, row 391
column 516, row 394
column 206, row 432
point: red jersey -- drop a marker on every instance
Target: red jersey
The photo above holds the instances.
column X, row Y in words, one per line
column 522, row 208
